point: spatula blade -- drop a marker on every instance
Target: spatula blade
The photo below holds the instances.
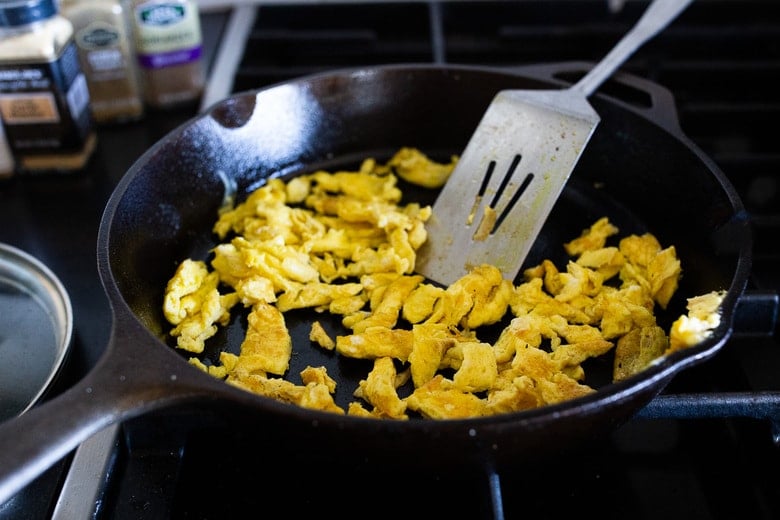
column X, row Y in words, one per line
column 527, row 142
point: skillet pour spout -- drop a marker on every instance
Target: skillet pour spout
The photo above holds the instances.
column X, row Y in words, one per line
column 639, row 169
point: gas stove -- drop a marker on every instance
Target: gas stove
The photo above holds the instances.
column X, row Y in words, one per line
column 707, row 448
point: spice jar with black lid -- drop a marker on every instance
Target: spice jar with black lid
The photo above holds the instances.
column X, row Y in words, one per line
column 44, row 99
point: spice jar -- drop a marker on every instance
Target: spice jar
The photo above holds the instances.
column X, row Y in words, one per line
column 168, row 45
column 44, row 99
column 103, row 37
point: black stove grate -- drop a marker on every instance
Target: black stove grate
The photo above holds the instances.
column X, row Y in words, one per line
column 697, row 452
column 176, row 465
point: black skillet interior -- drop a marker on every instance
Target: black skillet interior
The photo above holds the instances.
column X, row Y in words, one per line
column 641, row 176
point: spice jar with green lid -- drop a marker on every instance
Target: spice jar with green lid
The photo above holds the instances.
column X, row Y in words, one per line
column 44, row 99
column 168, row 45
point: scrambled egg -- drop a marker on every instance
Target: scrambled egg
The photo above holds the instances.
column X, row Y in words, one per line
column 341, row 243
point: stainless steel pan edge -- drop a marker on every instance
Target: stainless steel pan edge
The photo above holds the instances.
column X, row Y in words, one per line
column 29, row 377
column 139, row 373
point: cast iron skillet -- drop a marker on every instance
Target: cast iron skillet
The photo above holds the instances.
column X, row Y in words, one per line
column 639, row 169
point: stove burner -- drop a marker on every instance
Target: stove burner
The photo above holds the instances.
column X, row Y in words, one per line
column 707, row 447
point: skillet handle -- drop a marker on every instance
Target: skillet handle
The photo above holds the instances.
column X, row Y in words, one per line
column 131, row 377
column 36, row 440
column 651, row 100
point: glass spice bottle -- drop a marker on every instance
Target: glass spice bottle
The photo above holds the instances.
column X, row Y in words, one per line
column 168, row 45
column 44, row 99
column 103, row 36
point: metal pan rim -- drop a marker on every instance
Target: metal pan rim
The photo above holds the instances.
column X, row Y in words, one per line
column 22, row 272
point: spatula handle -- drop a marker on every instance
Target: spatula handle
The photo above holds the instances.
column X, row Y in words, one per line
column 657, row 16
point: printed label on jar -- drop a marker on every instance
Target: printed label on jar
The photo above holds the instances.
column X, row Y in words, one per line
column 78, row 95
column 98, row 35
column 100, row 45
column 169, row 59
column 44, row 106
column 167, row 26
column 105, row 60
column 26, row 109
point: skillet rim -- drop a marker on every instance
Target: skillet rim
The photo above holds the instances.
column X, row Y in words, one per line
column 652, row 378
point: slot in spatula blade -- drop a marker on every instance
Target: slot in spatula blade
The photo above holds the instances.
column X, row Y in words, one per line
column 506, row 182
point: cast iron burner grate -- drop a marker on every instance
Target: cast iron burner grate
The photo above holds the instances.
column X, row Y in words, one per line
column 706, row 448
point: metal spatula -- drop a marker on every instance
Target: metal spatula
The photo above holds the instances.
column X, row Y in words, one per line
column 516, row 164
